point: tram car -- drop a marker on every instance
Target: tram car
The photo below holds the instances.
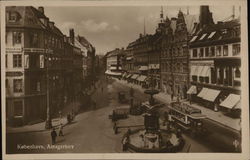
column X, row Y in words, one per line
column 187, row 118
column 120, row 112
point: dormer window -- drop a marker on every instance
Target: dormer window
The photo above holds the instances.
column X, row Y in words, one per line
column 13, row 17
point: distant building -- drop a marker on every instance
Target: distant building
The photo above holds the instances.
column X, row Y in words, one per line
column 114, row 59
column 215, row 62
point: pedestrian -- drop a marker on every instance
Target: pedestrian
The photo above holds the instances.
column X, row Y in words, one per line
column 172, row 96
column 53, row 136
column 69, row 118
column 236, row 144
column 94, row 104
column 102, row 89
column 73, row 114
column 61, row 130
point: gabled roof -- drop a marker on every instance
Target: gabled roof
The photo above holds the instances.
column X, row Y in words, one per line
column 223, row 32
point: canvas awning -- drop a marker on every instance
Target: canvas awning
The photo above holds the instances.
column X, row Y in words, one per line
column 202, row 92
column 199, row 70
column 134, row 76
column 230, row 101
column 113, row 68
column 129, row 75
column 211, row 95
column 143, row 68
column 192, row 90
column 108, row 72
column 142, row 78
column 193, row 70
column 205, row 71
column 129, row 58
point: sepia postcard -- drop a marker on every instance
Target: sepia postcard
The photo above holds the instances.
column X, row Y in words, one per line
column 124, row 79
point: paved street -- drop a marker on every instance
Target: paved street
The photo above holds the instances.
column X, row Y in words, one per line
column 92, row 131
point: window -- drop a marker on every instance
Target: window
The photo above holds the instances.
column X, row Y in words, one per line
column 17, row 36
column 194, row 52
column 213, row 76
column 17, row 60
column 212, row 49
column 34, row 39
column 236, row 49
column 13, row 16
column 18, row 108
column 6, row 83
column 6, row 60
column 218, row 51
column 202, row 52
column 194, row 78
column 18, row 85
column 225, row 50
column 206, row 52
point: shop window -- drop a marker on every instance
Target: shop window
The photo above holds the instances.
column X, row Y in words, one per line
column 194, row 78
column 18, row 85
column 201, row 79
column 206, row 79
column 237, row 73
column 218, row 51
column 225, row 50
column 17, row 36
column 194, row 52
column 236, row 49
column 18, row 108
column 206, row 52
column 202, row 52
column 17, row 60
column 212, row 49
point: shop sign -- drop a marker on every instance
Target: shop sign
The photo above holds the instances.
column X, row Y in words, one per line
column 14, row 74
column 13, row 50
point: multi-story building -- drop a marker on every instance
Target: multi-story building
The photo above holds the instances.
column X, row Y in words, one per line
column 41, row 63
column 114, row 59
column 175, row 55
column 34, row 46
column 215, row 62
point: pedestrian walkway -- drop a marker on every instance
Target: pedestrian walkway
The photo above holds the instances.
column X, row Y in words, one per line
column 39, row 127
column 219, row 117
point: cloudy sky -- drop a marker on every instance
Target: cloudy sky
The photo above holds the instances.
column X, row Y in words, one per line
column 111, row 27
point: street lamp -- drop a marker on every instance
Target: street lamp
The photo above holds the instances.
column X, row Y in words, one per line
column 48, row 123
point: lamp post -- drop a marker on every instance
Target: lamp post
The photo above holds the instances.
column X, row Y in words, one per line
column 48, row 123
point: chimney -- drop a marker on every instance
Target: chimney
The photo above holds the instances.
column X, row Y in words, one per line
column 72, row 35
column 206, row 17
column 41, row 9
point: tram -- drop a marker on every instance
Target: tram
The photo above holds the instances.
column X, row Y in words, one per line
column 186, row 117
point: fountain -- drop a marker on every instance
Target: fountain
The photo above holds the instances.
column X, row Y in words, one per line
column 152, row 139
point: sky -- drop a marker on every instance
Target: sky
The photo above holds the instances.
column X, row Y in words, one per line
column 110, row 27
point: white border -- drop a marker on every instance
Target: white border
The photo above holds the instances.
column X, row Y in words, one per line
column 213, row 156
